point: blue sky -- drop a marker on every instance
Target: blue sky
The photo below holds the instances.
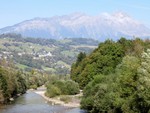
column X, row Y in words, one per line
column 15, row 11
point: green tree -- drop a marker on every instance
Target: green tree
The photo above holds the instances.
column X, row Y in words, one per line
column 71, row 88
column 127, row 85
column 102, row 60
column 143, row 89
column 80, row 57
column 98, row 95
column 12, row 83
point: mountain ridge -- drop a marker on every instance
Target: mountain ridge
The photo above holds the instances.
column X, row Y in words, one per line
column 98, row 27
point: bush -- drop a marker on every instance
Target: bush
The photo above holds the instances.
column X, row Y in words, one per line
column 33, row 87
column 71, row 88
column 96, row 98
column 52, row 91
column 61, row 87
column 65, row 99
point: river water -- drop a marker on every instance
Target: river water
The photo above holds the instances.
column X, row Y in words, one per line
column 34, row 103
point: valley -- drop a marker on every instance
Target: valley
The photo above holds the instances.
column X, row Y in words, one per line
column 76, row 56
column 48, row 55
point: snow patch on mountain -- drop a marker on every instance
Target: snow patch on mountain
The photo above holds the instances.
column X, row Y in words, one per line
column 99, row 27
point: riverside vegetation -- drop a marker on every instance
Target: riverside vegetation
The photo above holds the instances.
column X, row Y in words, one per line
column 62, row 90
column 14, row 82
column 115, row 77
column 62, row 87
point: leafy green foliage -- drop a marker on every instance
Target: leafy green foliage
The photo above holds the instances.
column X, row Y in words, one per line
column 103, row 60
column 52, row 91
column 35, row 79
column 14, row 81
column 80, row 57
column 97, row 95
column 126, row 91
column 115, row 77
column 61, row 87
column 143, row 89
column 11, row 83
column 71, row 88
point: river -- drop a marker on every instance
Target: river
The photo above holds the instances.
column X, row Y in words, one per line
column 34, row 103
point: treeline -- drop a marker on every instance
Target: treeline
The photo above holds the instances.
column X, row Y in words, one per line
column 14, row 82
column 115, row 77
column 49, row 42
column 20, row 38
column 35, row 79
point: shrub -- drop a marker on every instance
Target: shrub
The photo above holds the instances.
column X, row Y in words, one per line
column 52, row 91
column 33, row 87
column 61, row 87
column 71, row 88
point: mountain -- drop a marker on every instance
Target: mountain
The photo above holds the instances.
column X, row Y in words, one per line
column 74, row 25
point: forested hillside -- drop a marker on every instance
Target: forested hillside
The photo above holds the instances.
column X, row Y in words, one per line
column 47, row 55
column 115, row 77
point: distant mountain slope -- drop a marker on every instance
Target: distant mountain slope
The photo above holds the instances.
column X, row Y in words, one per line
column 81, row 25
column 52, row 56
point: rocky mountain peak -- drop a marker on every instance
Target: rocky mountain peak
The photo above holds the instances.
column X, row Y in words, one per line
column 99, row 27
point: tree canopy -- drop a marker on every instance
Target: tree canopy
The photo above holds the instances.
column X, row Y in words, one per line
column 115, row 77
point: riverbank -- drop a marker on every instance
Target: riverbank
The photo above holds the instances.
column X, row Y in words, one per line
column 72, row 100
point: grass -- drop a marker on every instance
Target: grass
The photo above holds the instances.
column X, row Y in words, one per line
column 48, row 69
column 21, row 66
column 65, row 98
column 23, row 46
column 85, row 46
column 69, row 53
column 69, row 98
column 63, row 63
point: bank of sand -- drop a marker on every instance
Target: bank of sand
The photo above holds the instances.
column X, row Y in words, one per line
column 73, row 103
